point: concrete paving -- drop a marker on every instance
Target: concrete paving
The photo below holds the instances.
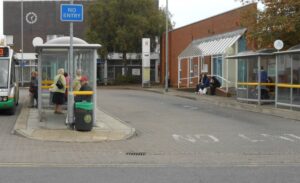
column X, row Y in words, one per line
column 53, row 127
column 108, row 127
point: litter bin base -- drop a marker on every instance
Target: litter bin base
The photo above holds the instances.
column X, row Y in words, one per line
column 83, row 120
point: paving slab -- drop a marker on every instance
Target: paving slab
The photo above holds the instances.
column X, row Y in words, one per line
column 53, row 127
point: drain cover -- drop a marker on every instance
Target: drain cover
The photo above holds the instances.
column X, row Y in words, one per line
column 136, row 153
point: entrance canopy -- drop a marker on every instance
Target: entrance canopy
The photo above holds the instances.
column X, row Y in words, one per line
column 214, row 45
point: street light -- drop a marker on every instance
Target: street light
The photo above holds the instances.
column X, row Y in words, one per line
column 167, row 45
column 22, row 43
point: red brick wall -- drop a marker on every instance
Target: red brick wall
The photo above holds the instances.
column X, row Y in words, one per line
column 180, row 38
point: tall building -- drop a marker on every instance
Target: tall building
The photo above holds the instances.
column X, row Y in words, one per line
column 40, row 19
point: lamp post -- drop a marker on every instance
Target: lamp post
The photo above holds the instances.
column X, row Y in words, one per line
column 22, row 41
column 166, row 47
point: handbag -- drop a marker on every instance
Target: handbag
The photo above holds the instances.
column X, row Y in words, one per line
column 59, row 84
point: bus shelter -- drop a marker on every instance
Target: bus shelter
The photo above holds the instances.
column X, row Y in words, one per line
column 54, row 55
column 256, row 76
column 288, row 78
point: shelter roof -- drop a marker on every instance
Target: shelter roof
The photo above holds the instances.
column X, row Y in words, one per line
column 64, row 42
column 214, row 45
column 262, row 52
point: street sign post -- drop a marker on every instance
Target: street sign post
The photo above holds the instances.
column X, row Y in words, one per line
column 71, row 13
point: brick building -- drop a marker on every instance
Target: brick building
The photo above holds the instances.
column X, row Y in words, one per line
column 202, row 47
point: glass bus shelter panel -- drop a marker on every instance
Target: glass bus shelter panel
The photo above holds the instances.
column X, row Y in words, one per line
column 296, row 79
column 284, row 77
column 247, row 78
column 296, row 96
column 51, row 62
column 84, row 61
column 284, row 95
column 284, row 69
column 268, row 63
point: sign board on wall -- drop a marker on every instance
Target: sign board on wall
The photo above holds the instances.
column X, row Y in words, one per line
column 136, row 72
column 205, row 68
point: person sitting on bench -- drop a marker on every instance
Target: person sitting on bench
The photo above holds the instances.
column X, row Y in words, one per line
column 214, row 83
column 84, row 87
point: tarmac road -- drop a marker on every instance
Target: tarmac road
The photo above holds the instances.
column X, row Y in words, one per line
column 177, row 139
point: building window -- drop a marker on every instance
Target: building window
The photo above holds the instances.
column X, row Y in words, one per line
column 218, row 67
column 9, row 40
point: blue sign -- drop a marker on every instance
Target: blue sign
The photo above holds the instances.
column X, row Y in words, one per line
column 71, row 12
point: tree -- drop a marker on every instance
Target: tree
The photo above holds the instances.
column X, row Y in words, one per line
column 280, row 19
column 119, row 25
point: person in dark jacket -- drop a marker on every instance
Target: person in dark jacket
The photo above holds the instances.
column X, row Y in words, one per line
column 214, row 83
column 204, row 84
column 84, row 87
column 33, row 89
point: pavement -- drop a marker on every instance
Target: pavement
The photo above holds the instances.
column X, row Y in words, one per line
column 53, row 127
column 108, row 127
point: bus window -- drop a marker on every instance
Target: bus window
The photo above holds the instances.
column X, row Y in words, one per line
column 12, row 71
column 4, row 63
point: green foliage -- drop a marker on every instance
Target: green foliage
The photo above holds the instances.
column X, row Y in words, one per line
column 126, row 80
column 119, row 25
column 280, row 19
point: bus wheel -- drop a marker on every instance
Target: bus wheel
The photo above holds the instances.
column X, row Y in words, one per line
column 12, row 111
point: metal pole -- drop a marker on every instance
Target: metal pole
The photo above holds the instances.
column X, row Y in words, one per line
column 70, row 93
column 259, row 80
column 167, row 47
column 22, row 42
column 1, row 18
column 276, row 80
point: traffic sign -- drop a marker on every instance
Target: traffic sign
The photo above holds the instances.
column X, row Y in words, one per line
column 71, row 12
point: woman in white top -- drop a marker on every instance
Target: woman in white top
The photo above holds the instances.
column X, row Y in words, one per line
column 59, row 93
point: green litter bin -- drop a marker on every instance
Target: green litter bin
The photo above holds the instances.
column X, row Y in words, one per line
column 83, row 116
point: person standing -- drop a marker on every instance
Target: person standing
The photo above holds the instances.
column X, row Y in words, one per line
column 59, row 91
column 76, row 84
column 33, row 89
column 264, row 79
column 67, row 85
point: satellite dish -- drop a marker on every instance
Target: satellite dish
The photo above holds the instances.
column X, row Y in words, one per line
column 37, row 41
column 278, row 44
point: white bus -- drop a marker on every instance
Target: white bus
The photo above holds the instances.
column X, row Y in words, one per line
column 9, row 87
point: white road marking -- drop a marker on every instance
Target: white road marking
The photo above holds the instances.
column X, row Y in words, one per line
column 294, row 136
column 205, row 138
column 276, row 137
column 188, row 138
column 210, row 138
column 249, row 139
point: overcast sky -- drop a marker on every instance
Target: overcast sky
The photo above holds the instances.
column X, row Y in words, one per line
column 185, row 12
